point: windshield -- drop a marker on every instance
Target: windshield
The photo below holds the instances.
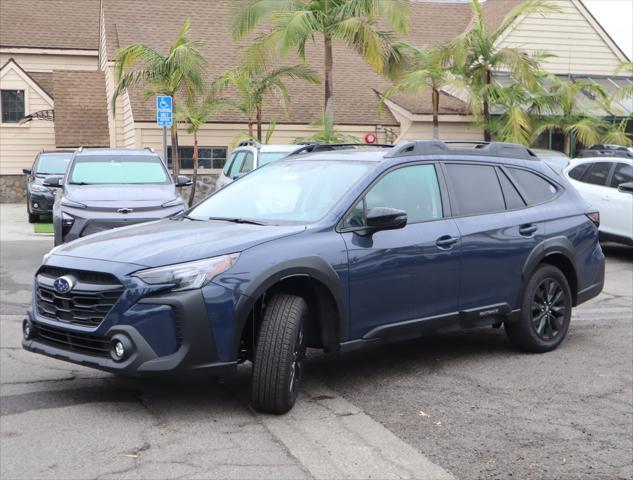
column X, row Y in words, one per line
column 267, row 157
column 53, row 163
column 284, row 192
column 120, row 169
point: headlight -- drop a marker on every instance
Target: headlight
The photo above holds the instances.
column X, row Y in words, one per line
column 173, row 203
column 67, row 220
column 69, row 203
column 187, row 276
column 39, row 188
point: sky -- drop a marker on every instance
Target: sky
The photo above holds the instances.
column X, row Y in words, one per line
column 616, row 16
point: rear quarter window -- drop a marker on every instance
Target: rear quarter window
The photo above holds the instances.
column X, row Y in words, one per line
column 577, row 172
column 535, row 189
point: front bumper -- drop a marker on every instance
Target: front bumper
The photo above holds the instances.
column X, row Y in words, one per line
column 41, row 203
column 165, row 332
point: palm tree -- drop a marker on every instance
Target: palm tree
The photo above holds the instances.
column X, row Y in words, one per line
column 477, row 55
column 425, row 69
column 180, row 71
column 615, row 132
column 255, row 84
column 570, row 117
column 327, row 133
column 354, row 22
column 196, row 114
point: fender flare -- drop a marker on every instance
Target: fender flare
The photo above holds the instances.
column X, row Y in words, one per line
column 555, row 245
column 313, row 267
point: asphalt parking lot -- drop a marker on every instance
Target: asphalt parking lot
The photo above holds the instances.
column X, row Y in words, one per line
column 464, row 405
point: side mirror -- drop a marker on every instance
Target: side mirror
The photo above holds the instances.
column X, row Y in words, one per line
column 183, row 181
column 626, row 187
column 385, row 218
column 54, row 182
column 28, row 171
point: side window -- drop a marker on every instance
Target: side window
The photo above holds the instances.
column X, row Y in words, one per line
column 534, row 187
column 597, row 173
column 236, row 166
column 247, row 164
column 623, row 173
column 414, row 189
column 577, row 172
column 512, row 197
column 475, row 189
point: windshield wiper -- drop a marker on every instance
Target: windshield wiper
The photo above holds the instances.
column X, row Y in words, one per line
column 237, row 220
column 80, row 183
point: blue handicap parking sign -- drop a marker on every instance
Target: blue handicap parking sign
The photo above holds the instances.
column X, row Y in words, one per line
column 164, row 115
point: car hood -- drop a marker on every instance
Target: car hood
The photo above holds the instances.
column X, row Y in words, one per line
column 120, row 195
column 165, row 242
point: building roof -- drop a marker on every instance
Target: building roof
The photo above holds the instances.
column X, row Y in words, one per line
column 59, row 24
column 81, row 116
column 44, row 80
column 354, row 81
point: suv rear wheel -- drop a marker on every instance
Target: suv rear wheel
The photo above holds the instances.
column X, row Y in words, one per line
column 279, row 354
column 545, row 312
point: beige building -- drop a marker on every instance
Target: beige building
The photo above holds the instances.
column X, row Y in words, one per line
column 57, row 75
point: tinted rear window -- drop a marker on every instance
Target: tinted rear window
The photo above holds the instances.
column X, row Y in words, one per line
column 597, row 173
column 577, row 172
column 475, row 189
column 535, row 189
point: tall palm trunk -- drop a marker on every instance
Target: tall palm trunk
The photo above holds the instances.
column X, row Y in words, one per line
column 567, row 144
column 487, row 135
column 175, row 159
column 194, row 178
column 436, row 111
column 258, row 119
column 329, row 67
column 250, row 127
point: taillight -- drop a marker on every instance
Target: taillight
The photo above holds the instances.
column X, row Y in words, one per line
column 594, row 217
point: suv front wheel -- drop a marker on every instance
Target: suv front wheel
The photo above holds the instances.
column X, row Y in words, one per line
column 279, row 354
column 545, row 312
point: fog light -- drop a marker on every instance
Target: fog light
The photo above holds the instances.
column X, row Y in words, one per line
column 120, row 348
column 28, row 330
column 36, row 205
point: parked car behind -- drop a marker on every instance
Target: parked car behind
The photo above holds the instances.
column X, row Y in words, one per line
column 557, row 160
column 109, row 188
column 606, row 182
column 40, row 198
column 248, row 156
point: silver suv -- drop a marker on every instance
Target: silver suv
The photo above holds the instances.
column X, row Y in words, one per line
column 250, row 155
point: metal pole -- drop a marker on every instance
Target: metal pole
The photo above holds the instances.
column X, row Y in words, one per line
column 165, row 145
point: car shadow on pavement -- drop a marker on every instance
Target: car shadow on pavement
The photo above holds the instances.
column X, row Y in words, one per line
column 618, row 251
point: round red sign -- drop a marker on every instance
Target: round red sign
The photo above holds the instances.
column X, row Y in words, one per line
column 370, row 138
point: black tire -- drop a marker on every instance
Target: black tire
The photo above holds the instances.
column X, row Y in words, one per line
column 33, row 217
column 279, row 354
column 545, row 312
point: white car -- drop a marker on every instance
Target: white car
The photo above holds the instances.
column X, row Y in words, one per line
column 248, row 156
column 607, row 184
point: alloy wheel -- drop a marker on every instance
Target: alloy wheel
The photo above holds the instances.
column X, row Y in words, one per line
column 548, row 309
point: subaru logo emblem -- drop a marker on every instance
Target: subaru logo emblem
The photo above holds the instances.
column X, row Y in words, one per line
column 64, row 284
column 125, row 210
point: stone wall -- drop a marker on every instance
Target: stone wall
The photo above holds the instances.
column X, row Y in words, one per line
column 12, row 188
column 204, row 186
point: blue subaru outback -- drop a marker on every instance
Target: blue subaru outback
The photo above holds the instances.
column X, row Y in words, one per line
column 334, row 251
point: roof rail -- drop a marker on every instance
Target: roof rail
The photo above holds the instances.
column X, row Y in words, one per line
column 437, row 147
column 80, row 149
column 310, row 147
column 607, row 152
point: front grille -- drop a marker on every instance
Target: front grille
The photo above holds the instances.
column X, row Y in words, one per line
column 86, row 304
column 98, row 226
column 73, row 341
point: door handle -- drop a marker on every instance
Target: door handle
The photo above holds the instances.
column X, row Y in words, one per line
column 446, row 241
column 527, row 230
